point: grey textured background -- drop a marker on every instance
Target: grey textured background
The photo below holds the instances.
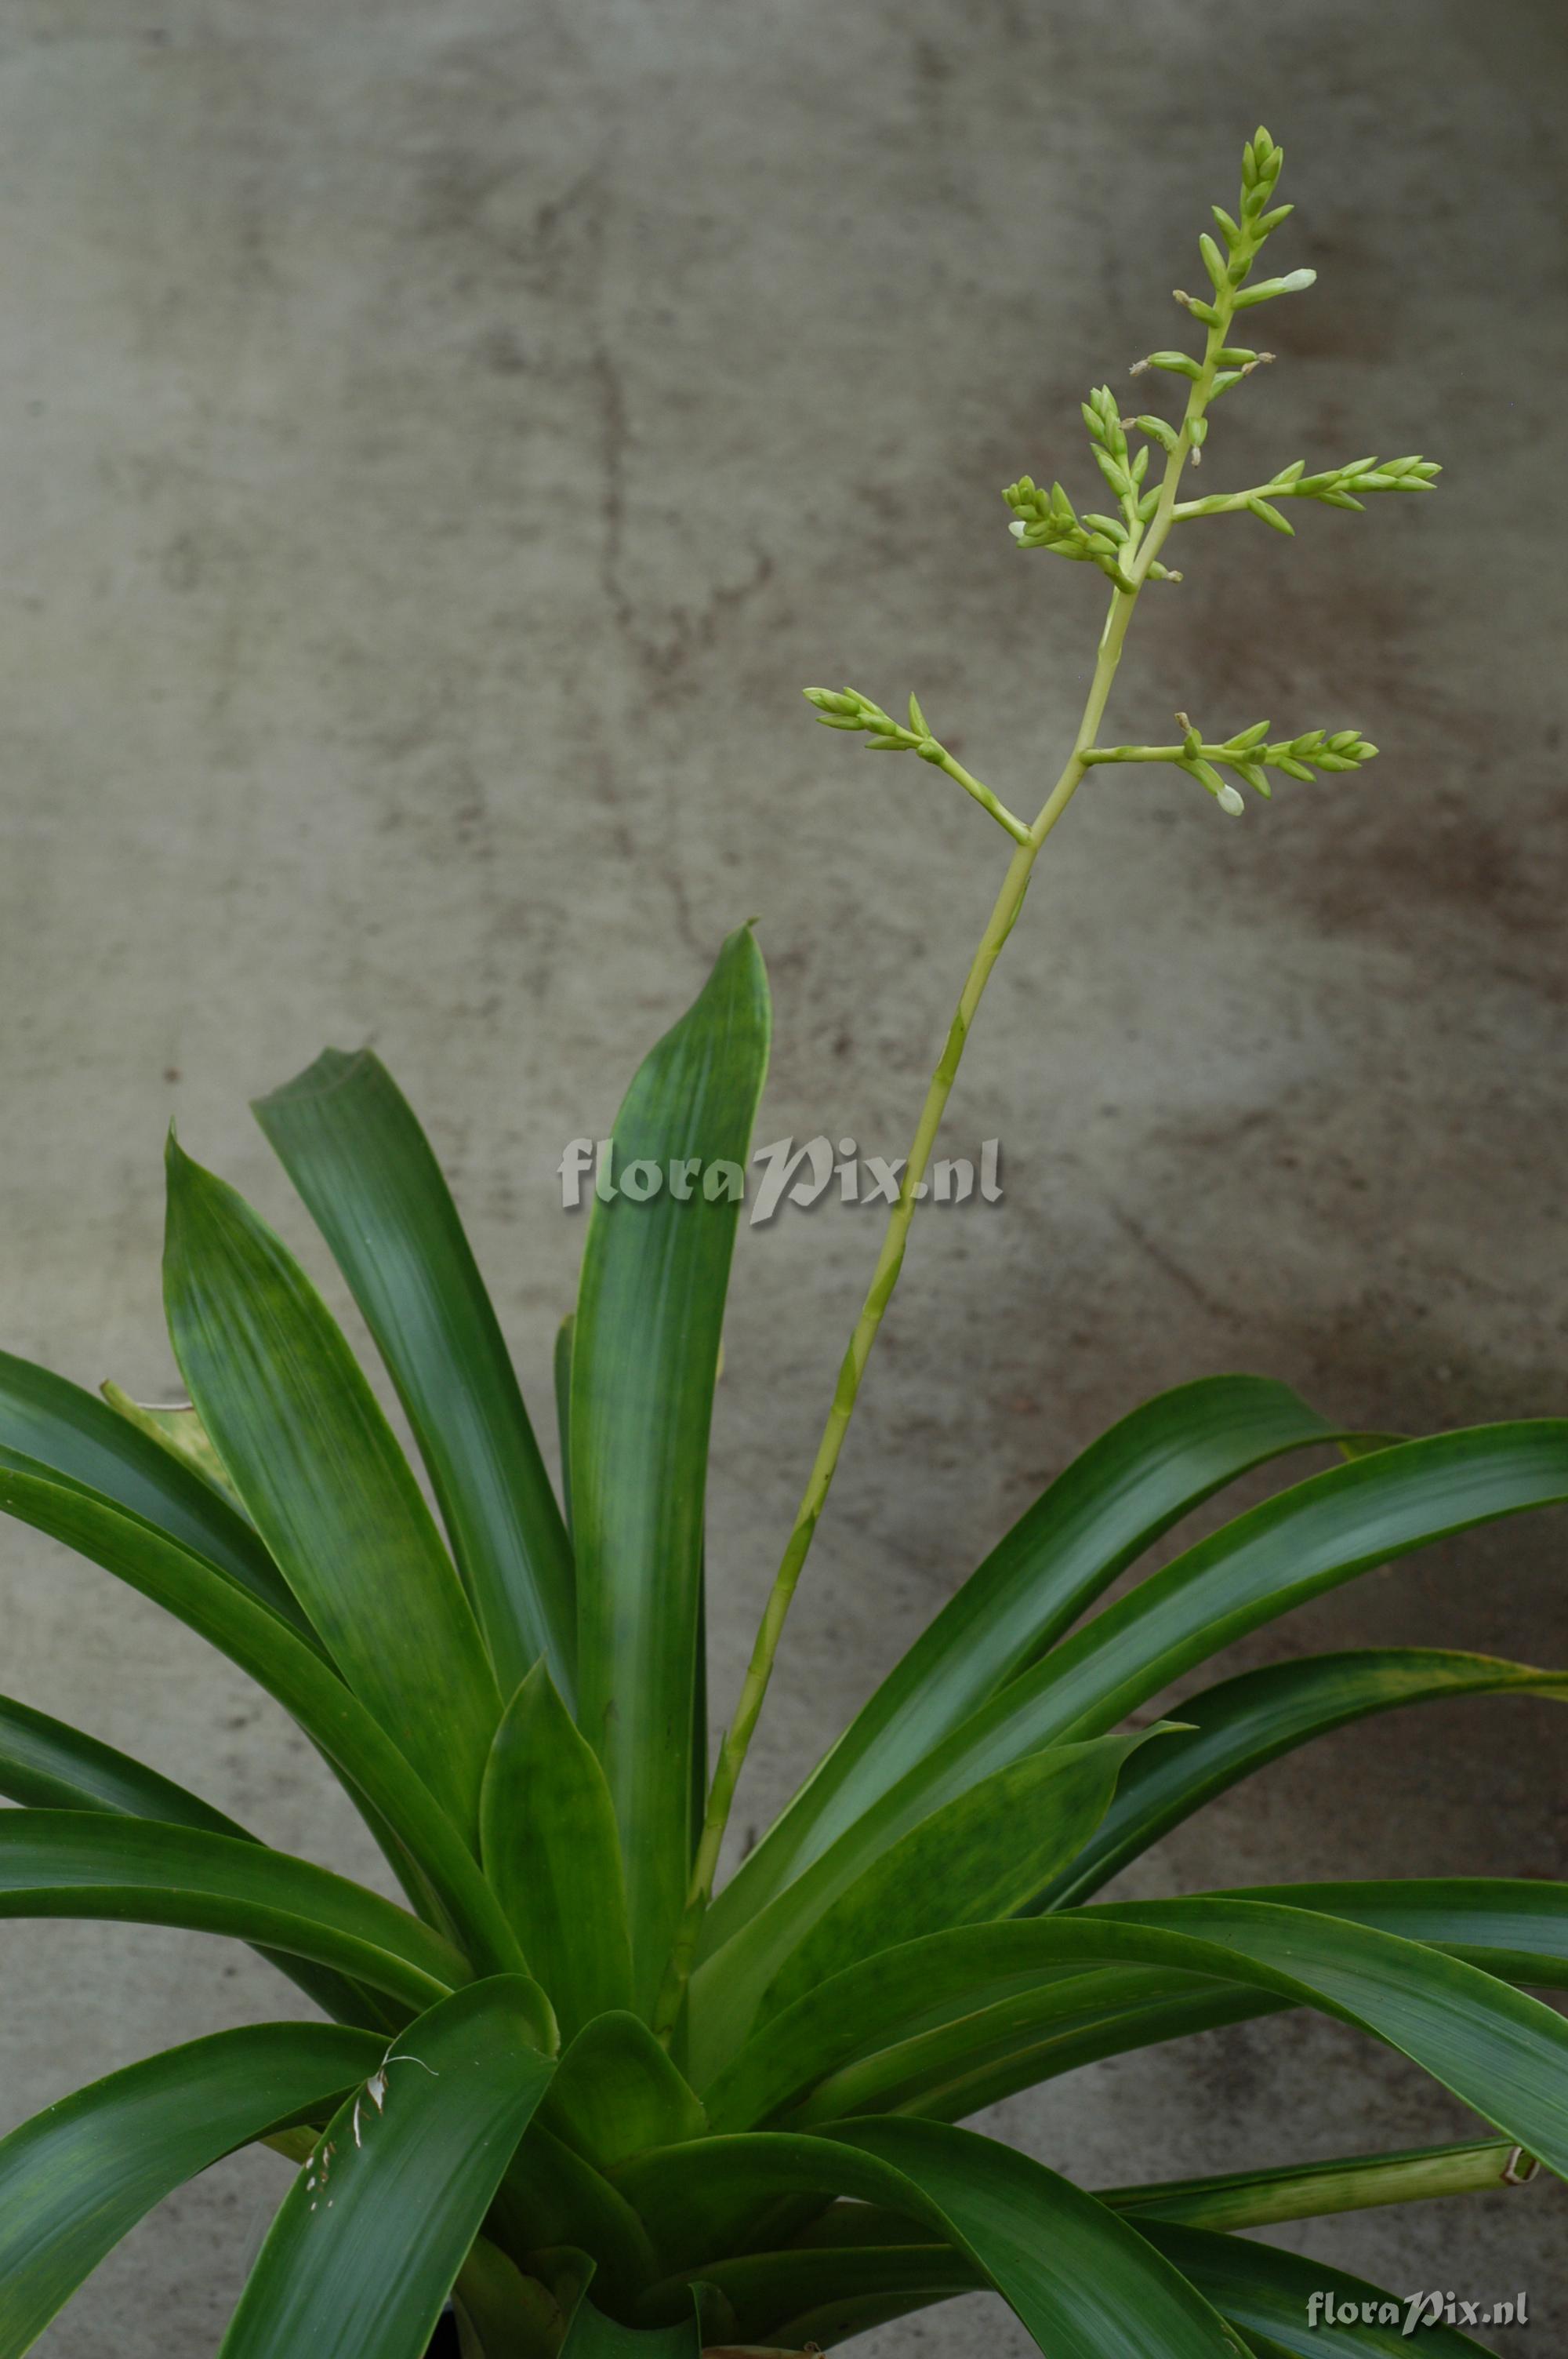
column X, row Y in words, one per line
column 436, row 444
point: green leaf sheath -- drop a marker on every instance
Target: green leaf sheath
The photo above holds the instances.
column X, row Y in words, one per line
column 1114, row 1501
column 78, row 2177
column 363, row 2259
column 351, row 1145
column 314, row 1461
column 645, row 1356
column 1084, row 2284
column 55, row 1425
column 1245, row 1722
column 502, row 2313
column 372, row 1770
column 1267, row 2293
column 591, row 2335
column 552, row 1856
column 552, row 2201
column 808, row 2294
column 988, row 1994
column 980, row 1855
column 87, row 1864
column 1291, row 1548
column 52, row 1766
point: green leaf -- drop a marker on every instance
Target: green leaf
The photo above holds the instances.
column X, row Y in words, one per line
column 351, row 1145
column 562, row 1373
column 552, row 2201
column 79, row 2176
column 501, row 2312
column 300, row 1430
column 591, row 2335
column 52, row 1766
column 552, row 1856
column 59, row 1427
column 644, row 1355
column 991, row 1994
column 1269, row 2293
column 371, row 2237
column 1245, row 1722
column 394, row 1801
column 1514, row 1926
column 1114, row 1501
column 824, row 2294
column 1307, row 1540
column 616, row 2093
column 179, row 1431
column 89, row 1863
column 1314, row 2190
column 884, row 1882
column 1077, row 2275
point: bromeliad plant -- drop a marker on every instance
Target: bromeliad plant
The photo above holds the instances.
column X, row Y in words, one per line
column 619, row 2114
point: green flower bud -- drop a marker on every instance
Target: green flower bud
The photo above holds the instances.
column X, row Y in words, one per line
column 1293, row 282
column 1270, row 515
column 1213, row 262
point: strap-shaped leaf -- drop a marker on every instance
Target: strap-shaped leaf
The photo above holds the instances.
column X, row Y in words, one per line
column 87, row 1864
column 57, row 1424
column 300, row 1431
column 561, row 1371
column 374, row 1773
column 1516, row 1930
column 1269, row 2294
column 1316, row 2190
column 351, row 1144
column 1075, row 2275
column 79, row 2176
column 1309, row 1540
column 1114, row 1501
column 979, row 1857
column 1503, row 2053
column 1516, row 1926
column 373, row 2232
column 552, row 1855
column 1243, row 1724
column 644, row 1355
column 50, row 1766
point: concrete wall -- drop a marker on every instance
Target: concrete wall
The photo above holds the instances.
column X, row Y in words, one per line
column 437, row 445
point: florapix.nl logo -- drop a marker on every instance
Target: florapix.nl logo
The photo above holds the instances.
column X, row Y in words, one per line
column 782, row 1173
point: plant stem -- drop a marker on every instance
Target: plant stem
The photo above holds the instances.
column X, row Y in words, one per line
column 1137, row 557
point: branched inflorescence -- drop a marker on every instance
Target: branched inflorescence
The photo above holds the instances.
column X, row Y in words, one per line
column 1125, row 540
